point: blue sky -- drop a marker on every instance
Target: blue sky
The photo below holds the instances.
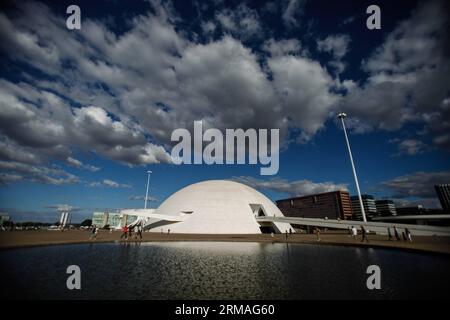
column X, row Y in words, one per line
column 85, row 113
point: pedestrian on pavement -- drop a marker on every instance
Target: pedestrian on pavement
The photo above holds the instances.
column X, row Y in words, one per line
column 124, row 232
column 397, row 237
column 364, row 234
column 354, row 232
column 140, row 231
column 94, row 232
column 408, row 235
column 135, row 231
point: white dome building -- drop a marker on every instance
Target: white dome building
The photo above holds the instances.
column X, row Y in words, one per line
column 215, row 207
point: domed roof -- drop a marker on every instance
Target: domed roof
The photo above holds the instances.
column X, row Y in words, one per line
column 217, row 206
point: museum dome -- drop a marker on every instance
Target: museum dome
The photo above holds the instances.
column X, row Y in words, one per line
column 217, row 207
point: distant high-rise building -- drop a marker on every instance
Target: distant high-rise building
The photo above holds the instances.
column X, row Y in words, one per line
column 370, row 207
column 443, row 192
column 332, row 205
column 385, row 207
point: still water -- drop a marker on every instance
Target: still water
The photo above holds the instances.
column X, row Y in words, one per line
column 219, row 270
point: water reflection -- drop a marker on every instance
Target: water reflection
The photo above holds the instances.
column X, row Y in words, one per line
column 220, row 270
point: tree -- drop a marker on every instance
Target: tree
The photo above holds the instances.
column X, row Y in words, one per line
column 86, row 223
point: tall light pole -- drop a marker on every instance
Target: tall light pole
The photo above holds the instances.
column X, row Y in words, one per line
column 342, row 116
column 146, row 193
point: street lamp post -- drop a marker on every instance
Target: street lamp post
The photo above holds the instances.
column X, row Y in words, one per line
column 146, row 193
column 342, row 116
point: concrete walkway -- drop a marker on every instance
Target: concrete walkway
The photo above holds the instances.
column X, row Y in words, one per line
column 18, row 239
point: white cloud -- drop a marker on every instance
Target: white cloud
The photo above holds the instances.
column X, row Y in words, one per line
column 16, row 171
column 304, row 89
column 417, row 184
column 283, row 47
column 108, row 183
column 142, row 198
column 337, row 46
column 78, row 164
column 121, row 96
column 409, row 76
column 292, row 9
column 242, row 22
column 292, row 188
column 409, row 146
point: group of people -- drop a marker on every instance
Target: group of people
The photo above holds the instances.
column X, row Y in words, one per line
column 354, row 233
column 286, row 233
column 128, row 232
column 406, row 234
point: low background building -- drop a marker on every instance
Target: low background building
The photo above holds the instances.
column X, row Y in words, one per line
column 331, row 205
column 113, row 220
column 370, row 207
column 385, row 208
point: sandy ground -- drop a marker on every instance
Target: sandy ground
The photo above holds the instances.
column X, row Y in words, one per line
column 17, row 239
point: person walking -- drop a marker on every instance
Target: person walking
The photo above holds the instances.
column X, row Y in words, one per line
column 364, row 234
column 140, row 231
column 408, row 235
column 94, row 233
column 354, row 232
column 130, row 232
column 286, row 234
column 318, row 234
column 397, row 237
column 135, row 231
column 389, row 234
column 124, row 232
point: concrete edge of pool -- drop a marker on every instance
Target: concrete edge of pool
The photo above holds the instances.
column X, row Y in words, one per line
column 23, row 239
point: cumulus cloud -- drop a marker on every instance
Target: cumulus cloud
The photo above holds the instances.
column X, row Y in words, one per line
column 409, row 146
column 418, row 184
column 78, row 164
column 292, row 10
column 242, row 22
column 337, row 46
column 16, row 171
column 303, row 87
column 426, row 203
column 121, row 95
column 409, row 76
column 120, row 91
column 108, row 183
column 283, row 47
column 292, row 188
column 142, row 198
column 63, row 207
